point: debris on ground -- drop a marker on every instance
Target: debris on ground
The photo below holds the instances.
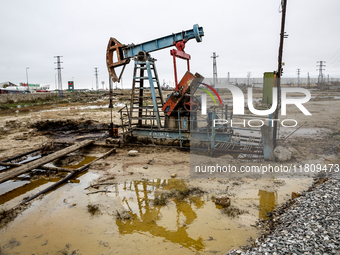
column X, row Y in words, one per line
column 133, row 153
column 224, row 201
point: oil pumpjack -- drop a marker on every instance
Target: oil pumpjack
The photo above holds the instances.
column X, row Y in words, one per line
column 175, row 120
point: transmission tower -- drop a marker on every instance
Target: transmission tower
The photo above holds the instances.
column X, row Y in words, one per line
column 320, row 77
column 214, row 67
column 96, row 74
column 60, row 84
column 298, row 74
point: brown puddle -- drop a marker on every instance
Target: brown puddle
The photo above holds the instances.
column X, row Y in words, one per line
column 76, row 161
column 189, row 223
column 20, row 188
column 19, row 191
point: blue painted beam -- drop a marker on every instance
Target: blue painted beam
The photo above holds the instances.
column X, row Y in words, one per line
column 132, row 50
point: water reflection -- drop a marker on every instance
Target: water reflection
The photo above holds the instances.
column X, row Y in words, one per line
column 146, row 218
column 17, row 187
column 268, row 202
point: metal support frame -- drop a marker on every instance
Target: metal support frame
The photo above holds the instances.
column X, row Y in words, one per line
column 138, row 96
column 153, row 93
column 179, row 53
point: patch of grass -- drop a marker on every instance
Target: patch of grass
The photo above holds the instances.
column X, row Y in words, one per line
column 4, row 107
column 93, row 209
column 11, row 104
column 233, row 212
column 124, row 98
column 160, row 200
column 123, row 215
column 25, row 198
column 63, row 102
column 3, row 213
column 183, row 193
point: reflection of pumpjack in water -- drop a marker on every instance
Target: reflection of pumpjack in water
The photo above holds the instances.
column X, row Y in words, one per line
column 148, row 216
column 268, row 201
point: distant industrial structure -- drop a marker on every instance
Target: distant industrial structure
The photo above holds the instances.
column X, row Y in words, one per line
column 10, row 88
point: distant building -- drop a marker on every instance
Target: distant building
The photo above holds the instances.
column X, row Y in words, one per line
column 35, row 87
column 13, row 90
column 7, row 84
column 45, row 87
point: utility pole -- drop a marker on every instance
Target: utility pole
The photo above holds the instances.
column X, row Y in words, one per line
column 103, row 82
column 214, row 68
column 320, row 77
column 60, row 84
column 96, row 74
column 111, row 107
column 228, row 81
column 28, row 89
column 298, row 74
column 279, row 69
column 55, row 82
column 248, row 79
column 308, row 80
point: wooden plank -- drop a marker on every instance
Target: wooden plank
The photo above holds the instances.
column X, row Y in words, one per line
column 41, row 161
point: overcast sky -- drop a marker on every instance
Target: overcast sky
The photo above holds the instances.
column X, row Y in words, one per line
column 244, row 33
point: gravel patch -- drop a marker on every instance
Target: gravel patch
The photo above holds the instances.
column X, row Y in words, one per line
column 309, row 224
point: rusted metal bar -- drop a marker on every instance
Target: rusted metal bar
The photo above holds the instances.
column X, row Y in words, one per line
column 294, row 131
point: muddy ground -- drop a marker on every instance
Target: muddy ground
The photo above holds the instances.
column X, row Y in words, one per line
column 170, row 214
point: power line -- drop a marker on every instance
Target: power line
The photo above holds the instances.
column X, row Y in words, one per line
column 335, row 61
column 333, row 55
column 334, row 65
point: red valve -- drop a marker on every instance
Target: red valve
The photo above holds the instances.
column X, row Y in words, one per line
column 191, row 103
